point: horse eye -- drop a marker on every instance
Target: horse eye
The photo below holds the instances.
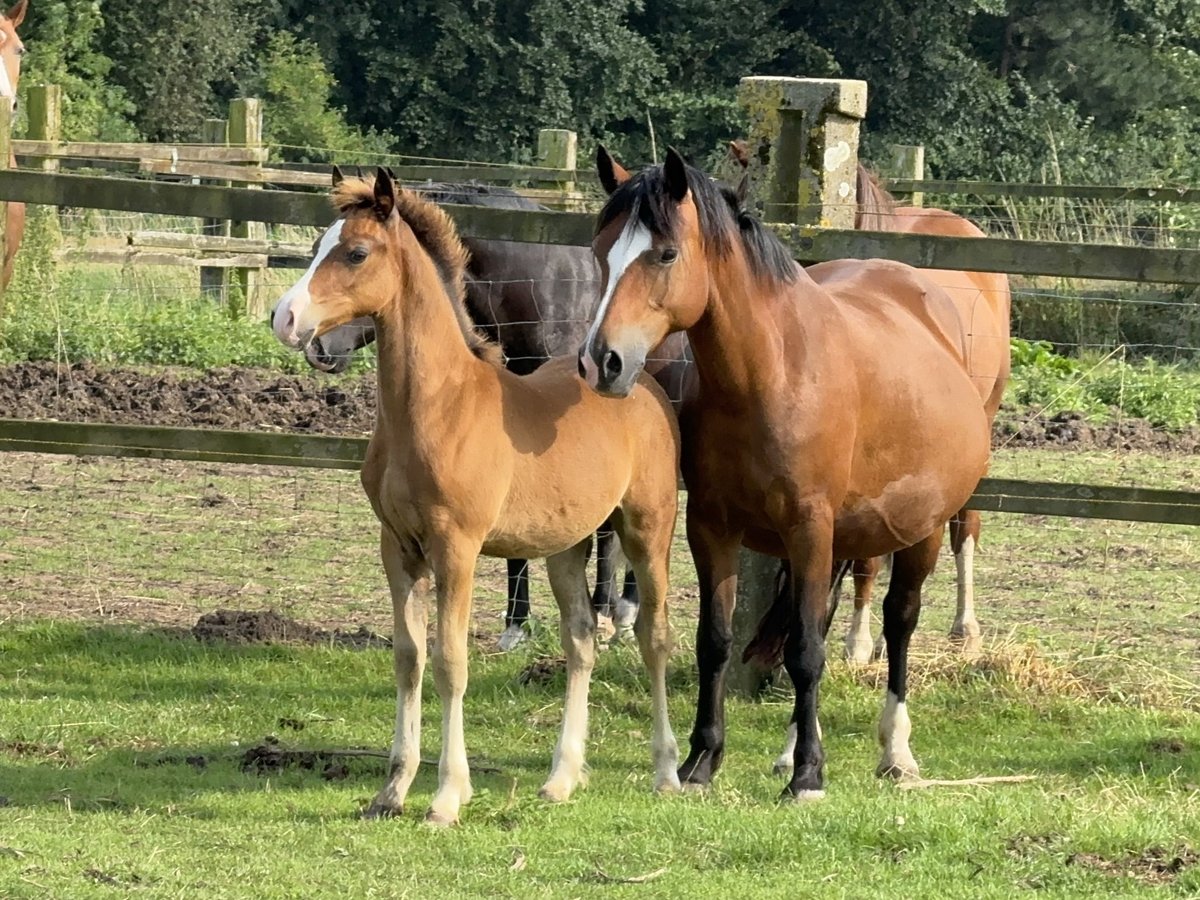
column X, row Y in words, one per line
column 669, row 255
column 357, row 256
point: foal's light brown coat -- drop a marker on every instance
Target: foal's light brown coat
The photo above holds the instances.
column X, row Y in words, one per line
column 469, row 459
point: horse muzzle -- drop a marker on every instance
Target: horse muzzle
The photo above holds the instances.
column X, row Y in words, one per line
column 610, row 371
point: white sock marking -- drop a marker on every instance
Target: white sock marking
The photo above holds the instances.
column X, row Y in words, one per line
column 964, row 562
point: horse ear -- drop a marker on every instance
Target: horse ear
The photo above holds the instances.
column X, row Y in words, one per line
column 675, row 170
column 742, row 191
column 612, row 173
column 385, row 195
column 17, row 14
column 740, row 152
column 338, row 177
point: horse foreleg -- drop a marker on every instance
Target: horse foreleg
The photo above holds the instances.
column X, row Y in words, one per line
column 454, row 571
column 901, row 609
column 408, row 651
column 964, row 536
column 568, row 580
column 716, row 557
column 810, row 552
column 516, row 616
column 603, row 599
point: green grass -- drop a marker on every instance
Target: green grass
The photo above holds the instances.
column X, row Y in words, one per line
column 104, row 801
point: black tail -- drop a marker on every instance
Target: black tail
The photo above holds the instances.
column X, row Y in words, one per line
column 766, row 647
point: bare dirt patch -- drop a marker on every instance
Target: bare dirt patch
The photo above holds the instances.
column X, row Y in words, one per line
column 263, row 400
column 1152, row 866
column 233, row 626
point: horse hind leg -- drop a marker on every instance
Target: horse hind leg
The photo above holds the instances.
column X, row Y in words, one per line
column 964, row 537
column 577, row 629
column 516, row 617
column 860, row 648
column 603, row 599
column 646, row 539
column 901, row 610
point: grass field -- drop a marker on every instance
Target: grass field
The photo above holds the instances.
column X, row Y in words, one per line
column 122, row 738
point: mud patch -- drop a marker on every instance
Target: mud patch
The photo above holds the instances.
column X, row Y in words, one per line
column 542, row 669
column 112, row 880
column 33, row 748
column 1152, row 866
column 256, row 399
column 1170, row 745
column 269, row 758
column 233, row 626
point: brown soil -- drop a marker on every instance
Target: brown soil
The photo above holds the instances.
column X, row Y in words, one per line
column 1152, row 866
column 268, row 401
column 269, row 627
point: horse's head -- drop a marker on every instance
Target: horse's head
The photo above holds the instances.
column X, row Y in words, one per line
column 652, row 246
column 11, row 51
column 353, row 272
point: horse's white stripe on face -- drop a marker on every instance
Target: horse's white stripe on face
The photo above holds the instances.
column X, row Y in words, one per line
column 292, row 305
column 6, row 86
column 635, row 240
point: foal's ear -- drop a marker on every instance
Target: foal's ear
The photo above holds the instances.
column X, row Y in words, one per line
column 612, row 173
column 338, row 177
column 17, row 14
column 675, row 170
column 385, row 195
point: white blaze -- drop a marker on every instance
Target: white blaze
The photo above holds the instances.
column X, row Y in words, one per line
column 294, row 303
column 635, row 240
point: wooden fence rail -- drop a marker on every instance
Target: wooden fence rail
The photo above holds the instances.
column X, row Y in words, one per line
column 1130, row 504
column 1098, row 261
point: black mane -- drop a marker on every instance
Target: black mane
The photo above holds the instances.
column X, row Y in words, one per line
column 471, row 193
column 720, row 213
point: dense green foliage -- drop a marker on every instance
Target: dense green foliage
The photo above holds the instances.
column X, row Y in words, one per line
column 1021, row 89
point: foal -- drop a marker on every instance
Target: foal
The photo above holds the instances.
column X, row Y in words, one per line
column 469, row 459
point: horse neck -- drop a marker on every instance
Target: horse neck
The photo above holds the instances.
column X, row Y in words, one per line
column 424, row 360
column 736, row 345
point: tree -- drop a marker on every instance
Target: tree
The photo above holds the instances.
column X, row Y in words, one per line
column 176, row 59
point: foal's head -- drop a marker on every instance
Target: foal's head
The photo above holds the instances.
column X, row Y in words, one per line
column 663, row 240
column 370, row 256
column 11, row 50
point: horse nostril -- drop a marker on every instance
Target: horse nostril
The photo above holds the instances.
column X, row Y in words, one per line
column 582, row 369
column 612, row 364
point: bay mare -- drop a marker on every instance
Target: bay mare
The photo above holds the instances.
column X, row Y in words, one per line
column 468, row 458
column 534, row 300
column 834, row 418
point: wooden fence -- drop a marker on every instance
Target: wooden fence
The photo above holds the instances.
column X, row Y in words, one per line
column 284, row 207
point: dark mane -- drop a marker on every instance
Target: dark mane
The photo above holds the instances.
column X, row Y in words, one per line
column 436, row 234
column 876, row 206
column 720, row 214
column 471, row 193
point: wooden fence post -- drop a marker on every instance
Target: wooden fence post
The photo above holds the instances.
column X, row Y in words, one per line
column 44, row 104
column 803, row 147
column 907, row 162
column 214, row 282
column 246, row 285
column 557, row 148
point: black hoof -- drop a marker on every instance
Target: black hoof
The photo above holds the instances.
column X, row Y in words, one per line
column 698, row 769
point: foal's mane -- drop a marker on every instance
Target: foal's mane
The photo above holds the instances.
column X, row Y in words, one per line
column 438, row 237
column 876, row 206
column 721, row 215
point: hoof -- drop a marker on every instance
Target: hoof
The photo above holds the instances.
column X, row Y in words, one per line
column 668, row 785
column 859, row 653
column 624, row 615
column 968, row 639
column 693, row 787
column 803, row 796
column 898, row 769
column 379, row 810
column 512, row 637
column 555, row 793
column 439, row 820
column 605, row 629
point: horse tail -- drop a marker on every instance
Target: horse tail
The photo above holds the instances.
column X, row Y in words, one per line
column 875, row 205
column 766, row 647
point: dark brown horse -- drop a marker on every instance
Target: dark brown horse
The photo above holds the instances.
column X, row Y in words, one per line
column 11, row 51
column 534, row 301
column 833, row 418
column 468, row 459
